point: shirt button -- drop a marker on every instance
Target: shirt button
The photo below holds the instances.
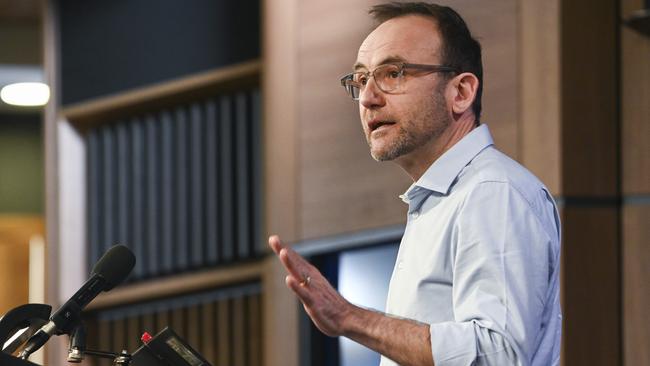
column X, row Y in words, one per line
column 400, row 265
column 415, row 214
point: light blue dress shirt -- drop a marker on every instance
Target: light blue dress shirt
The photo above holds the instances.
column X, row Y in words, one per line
column 479, row 261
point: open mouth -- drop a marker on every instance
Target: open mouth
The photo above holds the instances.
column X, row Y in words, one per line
column 377, row 124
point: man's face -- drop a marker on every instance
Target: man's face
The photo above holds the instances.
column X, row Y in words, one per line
column 398, row 124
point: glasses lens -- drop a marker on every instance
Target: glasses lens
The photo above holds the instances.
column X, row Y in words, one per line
column 354, row 92
column 351, row 86
column 360, row 78
column 388, row 77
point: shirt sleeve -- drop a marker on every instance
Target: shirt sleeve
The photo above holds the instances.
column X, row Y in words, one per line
column 501, row 258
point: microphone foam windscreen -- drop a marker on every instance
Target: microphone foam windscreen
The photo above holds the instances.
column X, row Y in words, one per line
column 115, row 265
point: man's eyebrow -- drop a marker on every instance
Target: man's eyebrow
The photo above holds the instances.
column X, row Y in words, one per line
column 358, row 65
column 387, row 60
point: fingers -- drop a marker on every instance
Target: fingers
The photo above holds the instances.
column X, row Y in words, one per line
column 321, row 301
column 296, row 265
column 275, row 244
column 302, row 291
column 303, row 277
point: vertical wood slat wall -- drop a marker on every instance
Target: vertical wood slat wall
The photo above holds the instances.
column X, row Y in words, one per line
column 179, row 182
column 178, row 185
column 223, row 325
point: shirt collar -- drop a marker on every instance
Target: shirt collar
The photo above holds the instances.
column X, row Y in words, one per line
column 442, row 173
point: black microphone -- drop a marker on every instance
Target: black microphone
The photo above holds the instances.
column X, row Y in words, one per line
column 111, row 269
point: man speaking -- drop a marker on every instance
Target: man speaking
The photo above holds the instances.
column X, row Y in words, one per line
column 477, row 275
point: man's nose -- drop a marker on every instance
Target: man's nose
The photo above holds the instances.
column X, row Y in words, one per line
column 371, row 96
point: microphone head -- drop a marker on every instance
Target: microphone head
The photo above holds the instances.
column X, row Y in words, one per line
column 115, row 265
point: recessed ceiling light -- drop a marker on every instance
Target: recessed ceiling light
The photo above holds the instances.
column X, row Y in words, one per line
column 25, row 94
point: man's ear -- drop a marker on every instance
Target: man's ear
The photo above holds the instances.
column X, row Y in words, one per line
column 463, row 92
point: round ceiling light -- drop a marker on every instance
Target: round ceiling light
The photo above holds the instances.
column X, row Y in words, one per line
column 25, row 94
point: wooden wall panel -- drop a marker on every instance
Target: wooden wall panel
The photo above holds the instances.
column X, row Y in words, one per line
column 254, row 331
column 589, row 182
column 279, row 90
column 589, row 73
column 280, row 318
column 497, row 28
column 635, row 177
column 591, row 283
column 224, row 347
column 208, row 331
column 342, row 188
column 636, row 284
column 281, row 175
column 194, row 325
column 539, row 55
column 628, row 6
column 635, row 111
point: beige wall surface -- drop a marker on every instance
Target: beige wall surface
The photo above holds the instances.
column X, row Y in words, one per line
column 539, row 54
column 279, row 105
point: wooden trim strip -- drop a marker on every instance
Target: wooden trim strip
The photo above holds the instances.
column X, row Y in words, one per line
column 177, row 285
column 103, row 109
column 350, row 241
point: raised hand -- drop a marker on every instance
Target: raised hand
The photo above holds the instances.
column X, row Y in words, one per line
column 324, row 305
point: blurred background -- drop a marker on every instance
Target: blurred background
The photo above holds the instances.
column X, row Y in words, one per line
column 191, row 130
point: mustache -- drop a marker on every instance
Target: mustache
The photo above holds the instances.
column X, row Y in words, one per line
column 379, row 117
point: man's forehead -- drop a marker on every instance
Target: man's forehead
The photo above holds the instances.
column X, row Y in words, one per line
column 411, row 38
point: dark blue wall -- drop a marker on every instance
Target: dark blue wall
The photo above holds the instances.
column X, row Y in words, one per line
column 108, row 46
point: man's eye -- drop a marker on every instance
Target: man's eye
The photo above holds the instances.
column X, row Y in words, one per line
column 394, row 74
column 363, row 80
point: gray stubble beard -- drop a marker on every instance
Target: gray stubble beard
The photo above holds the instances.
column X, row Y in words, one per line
column 407, row 141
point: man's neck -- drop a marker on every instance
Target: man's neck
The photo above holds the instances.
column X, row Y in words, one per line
column 418, row 161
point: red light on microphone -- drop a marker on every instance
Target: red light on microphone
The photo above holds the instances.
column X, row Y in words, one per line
column 146, row 337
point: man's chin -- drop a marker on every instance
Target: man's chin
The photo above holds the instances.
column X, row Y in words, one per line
column 383, row 154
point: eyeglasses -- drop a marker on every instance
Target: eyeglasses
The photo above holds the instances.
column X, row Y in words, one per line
column 389, row 77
